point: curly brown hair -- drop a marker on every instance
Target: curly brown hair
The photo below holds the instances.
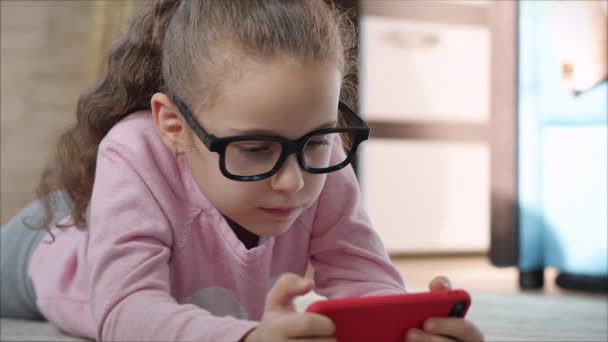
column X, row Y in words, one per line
column 179, row 46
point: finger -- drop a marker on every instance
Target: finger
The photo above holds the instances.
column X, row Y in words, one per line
column 458, row 328
column 280, row 297
column 321, row 339
column 305, row 325
column 440, row 283
column 416, row 335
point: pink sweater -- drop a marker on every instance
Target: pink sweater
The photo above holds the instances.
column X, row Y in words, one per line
column 160, row 263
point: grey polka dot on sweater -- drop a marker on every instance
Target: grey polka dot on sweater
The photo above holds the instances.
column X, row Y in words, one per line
column 218, row 301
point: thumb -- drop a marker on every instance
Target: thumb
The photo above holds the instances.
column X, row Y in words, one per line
column 289, row 286
column 440, row 283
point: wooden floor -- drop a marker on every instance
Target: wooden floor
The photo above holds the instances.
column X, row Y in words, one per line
column 501, row 311
column 473, row 273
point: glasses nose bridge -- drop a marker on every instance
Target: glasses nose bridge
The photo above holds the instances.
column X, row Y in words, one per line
column 290, row 147
column 294, row 146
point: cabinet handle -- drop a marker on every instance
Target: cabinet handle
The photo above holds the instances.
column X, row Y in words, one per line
column 411, row 40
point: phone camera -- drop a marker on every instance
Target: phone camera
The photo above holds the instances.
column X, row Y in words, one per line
column 458, row 309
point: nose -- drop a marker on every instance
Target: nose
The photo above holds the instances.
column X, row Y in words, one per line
column 289, row 178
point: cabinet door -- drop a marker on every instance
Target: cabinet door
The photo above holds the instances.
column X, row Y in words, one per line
column 427, row 197
column 421, row 71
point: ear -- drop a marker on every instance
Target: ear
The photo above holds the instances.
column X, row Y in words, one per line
column 169, row 123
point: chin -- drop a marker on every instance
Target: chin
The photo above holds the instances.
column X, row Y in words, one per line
column 274, row 229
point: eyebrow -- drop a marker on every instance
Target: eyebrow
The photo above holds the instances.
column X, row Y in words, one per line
column 261, row 131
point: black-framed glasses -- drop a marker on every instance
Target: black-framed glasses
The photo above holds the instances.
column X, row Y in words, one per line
column 256, row 157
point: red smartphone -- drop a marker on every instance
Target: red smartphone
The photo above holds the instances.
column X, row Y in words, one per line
column 388, row 318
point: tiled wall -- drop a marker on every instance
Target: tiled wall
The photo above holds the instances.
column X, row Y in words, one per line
column 44, row 67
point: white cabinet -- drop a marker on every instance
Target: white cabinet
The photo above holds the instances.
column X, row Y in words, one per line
column 428, row 195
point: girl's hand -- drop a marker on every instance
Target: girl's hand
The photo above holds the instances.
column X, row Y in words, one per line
column 281, row 322
column 444, row 329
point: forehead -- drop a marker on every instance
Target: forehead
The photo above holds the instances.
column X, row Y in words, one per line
column 285, row 98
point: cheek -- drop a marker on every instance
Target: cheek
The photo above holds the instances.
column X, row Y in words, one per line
column 207, row 174
column 205, row 167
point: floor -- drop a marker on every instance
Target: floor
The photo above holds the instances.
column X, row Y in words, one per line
column 502, row 312
column 474, row 273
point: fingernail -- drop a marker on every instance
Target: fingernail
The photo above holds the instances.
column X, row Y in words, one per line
column 429, row 325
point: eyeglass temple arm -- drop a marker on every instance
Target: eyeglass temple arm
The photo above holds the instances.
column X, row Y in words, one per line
column 200, row 131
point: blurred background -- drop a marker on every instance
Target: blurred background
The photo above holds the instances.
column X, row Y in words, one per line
column 488, row 122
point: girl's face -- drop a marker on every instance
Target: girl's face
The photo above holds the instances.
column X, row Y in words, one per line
column 284, row 98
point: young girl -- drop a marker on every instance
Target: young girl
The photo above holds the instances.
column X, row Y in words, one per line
column 205, row 171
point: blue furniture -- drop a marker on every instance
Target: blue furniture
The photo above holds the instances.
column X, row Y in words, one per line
column 562, row 166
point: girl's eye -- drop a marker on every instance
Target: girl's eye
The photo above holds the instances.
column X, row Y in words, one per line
column 317, row 142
